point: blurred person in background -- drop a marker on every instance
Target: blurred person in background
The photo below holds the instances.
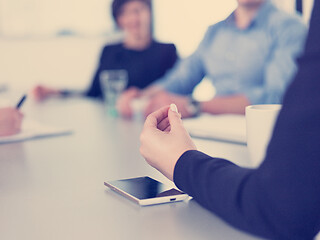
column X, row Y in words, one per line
column 249, row 58
column 144, row 59
column 10, row 121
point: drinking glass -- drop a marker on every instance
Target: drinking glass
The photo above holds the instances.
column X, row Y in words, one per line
column 113, row 82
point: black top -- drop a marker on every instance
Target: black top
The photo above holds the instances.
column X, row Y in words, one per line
column 143, row 67
column 280, row 199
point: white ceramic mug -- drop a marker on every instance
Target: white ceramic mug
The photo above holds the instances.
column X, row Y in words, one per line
column 260, row 121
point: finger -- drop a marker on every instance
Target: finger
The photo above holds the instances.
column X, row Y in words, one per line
column 17, row 119
column 36, row 89
column 18, row 125
column 163, row 124
column 124, row 109
column 174, row 117
column 38, row 93
column 18, row 113
column 133, row 92
column 155, row 118
column 168, row 129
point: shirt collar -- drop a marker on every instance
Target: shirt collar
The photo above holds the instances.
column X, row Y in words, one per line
column 260, row 18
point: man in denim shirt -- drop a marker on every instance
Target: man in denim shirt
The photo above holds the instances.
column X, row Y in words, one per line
column 249, row 58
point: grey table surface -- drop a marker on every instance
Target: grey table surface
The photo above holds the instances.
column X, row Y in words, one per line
column 52, row 188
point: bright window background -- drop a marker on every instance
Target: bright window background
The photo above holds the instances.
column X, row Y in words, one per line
column 22, row 18
column 185, row 22
column 57, row 42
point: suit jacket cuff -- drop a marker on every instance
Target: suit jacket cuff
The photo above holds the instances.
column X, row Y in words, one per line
column 180, row 174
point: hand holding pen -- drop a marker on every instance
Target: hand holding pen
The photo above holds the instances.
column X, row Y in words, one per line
column 11, row 119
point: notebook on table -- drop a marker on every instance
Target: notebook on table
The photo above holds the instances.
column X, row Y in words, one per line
column 31, row 130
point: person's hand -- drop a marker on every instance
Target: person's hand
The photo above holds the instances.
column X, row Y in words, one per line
column 164, row 98
column 10, row 121
column 124, row 101
column 41, row 93
column 164, row 140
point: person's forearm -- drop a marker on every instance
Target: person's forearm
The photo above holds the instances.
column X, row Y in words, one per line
column 151, row 91
column 230, row 104
column 216, row 184
column 249, row 199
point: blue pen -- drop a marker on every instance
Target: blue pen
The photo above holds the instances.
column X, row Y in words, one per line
column 21, row 101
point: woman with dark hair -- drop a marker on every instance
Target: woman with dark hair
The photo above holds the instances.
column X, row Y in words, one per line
column 144, row 58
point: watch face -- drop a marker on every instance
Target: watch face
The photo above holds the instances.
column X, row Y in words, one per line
column 193, row 107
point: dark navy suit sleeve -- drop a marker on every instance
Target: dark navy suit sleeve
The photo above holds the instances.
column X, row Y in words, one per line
column 173, row 56
column 280, row 199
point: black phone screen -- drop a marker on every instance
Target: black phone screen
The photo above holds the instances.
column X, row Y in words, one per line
column 144, row 188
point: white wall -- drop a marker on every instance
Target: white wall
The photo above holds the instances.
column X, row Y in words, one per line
column 59, row 62
column 185, row 22
column 47, row 17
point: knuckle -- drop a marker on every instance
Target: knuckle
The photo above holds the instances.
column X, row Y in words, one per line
column 141, row 150
column 148, row 119
column 142, row 137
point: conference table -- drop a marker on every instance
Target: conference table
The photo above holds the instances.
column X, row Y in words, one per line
column 53, row 188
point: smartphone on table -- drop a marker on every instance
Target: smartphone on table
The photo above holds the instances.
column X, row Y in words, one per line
column 146, row 191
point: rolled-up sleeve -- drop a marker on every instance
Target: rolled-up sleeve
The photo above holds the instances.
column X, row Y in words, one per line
column 188, row 72
column 184, row 77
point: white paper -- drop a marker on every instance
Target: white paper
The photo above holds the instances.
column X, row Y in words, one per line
column 31, row 129
column 226, row 127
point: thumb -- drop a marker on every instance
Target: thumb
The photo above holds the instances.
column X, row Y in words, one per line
column 174, row 117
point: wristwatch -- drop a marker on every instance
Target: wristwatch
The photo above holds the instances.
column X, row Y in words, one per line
column 193, row 107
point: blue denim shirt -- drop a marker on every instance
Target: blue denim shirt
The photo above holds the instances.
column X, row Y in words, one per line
column 258, row 62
